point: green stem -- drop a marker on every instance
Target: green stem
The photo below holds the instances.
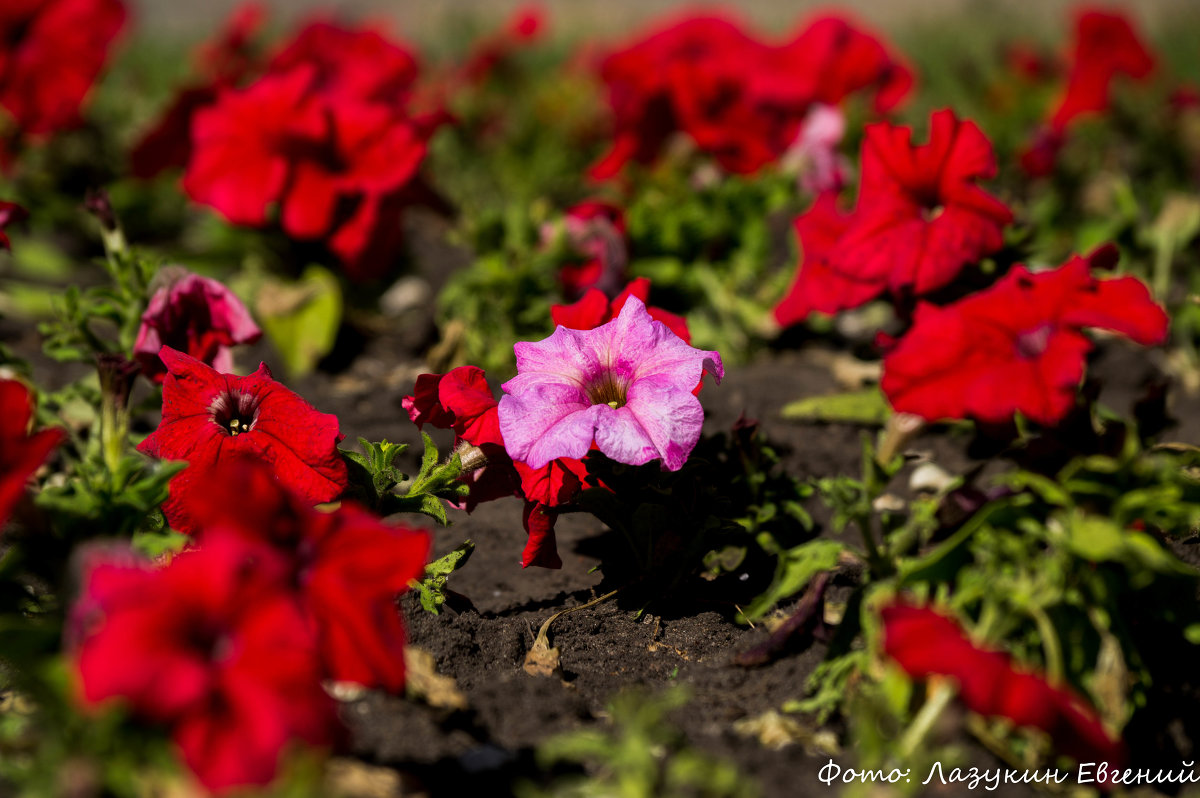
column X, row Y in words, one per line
column 923, row 723
column 1051, row 645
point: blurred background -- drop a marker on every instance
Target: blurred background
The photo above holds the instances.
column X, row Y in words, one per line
column 430, row 19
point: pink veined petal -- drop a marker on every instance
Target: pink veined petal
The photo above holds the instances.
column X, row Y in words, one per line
column 621, row 435
column 671, row 418
column 546, row 423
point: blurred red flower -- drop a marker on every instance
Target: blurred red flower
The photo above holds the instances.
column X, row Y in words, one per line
column 1018, row 346
column 920, row 218
column 739, row 99
column 192, row 314
column 210, row 417
column 344, row 568
column 926, row 643
column 1105, row 46
column 20, row 452
column 51, row 52
column 209, row 647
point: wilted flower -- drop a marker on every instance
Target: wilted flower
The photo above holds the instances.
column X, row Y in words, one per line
column 20, row 452
column 625, row 386
column 210, row 417
column 926, row 643
column 814, row 156
column 192, row 314
column 1018, row 346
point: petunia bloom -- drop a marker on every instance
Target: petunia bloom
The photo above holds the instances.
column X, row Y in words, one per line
column 51, row 52
column 192, row 314
column 1105, row 46
column 1019, row 346
column 210, row 648
column 920, row 219
column 344, row 568
column 323, row 142
column 625, row 386
column 742, row 100
column 209, row 417
column 926, row 643
column 20, row 452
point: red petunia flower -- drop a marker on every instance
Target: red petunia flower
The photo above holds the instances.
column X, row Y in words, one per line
column 594, row 309
column 51, row 52
column 462, row 400
column 741, row 100
column 1104, row 47
column 192, row 314
column 1018, row 346
column 324, row 134
column 360, row 64
column 10, row 213
column 210, row 417
column 920, row 219
column 817, row 287
column 208, row 647
column 926, row 643
column 20, row 452
column 345, row 568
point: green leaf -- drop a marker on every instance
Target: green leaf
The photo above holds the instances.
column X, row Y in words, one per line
column 301, row 318
column 867, row 407
column 795, row 569
column 433, row 586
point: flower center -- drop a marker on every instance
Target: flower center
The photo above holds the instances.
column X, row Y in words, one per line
column 931, row 212
column 1033, row 343
column 607, row 389
column 234, row 412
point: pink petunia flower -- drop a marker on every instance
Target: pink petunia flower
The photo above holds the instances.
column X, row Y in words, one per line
column 210, row 417
column 196, row 315
column 625, row 386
